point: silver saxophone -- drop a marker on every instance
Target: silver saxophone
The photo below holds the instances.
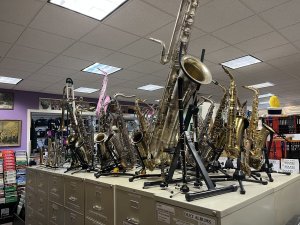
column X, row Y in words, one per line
column 191, row 69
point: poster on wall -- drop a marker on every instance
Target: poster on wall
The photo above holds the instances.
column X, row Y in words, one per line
column 10, row 133
column 6, row 100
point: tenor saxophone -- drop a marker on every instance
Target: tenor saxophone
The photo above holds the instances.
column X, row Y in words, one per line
column 191, row 69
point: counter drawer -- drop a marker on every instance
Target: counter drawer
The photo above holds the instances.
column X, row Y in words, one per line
column 42, row 181
column 74, row 194
column 99, row 203
column 56, row 214
column 30, row 178
column 56, row 189
column 73, row 218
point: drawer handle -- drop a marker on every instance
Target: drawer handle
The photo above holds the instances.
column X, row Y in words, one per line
column 40, row 209
column 53, row 190
column 72, row 216
column 72, row 198
column 132, row 221
column 53, row 218
column 97, row 207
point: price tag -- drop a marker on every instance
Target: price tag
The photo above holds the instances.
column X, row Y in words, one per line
column 290, row 165
column 276, row 164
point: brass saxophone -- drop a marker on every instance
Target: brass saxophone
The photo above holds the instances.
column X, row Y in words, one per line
column 257, row 139
column 235, row 123
column 194, row 72
column 141, row 137
column 217, row 132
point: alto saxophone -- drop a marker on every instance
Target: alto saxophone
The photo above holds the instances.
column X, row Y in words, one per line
column 257, row 139
column 163, row 135
column 235, row 123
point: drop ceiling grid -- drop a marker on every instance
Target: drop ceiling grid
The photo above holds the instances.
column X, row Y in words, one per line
column 216, row 39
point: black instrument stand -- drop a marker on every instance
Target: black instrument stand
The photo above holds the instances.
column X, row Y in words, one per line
column 142, row 173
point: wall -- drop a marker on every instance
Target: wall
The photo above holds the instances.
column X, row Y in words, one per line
column 24, row 100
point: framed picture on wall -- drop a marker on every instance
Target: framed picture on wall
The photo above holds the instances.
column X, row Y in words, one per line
column 10, row 133
column 6, row 100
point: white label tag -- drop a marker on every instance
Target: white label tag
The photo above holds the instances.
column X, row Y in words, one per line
column 202, row 220
column 165, row 208
column 162, row 217
column 290, row 165
column 276, row 164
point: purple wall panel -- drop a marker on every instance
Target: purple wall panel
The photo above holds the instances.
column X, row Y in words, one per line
column 24, row 100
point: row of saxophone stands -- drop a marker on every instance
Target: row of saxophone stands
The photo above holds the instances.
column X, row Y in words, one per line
column 164, row 141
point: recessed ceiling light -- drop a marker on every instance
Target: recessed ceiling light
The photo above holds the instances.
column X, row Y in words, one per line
column 241, row 62
column 92, row 8
column 265, row 95
column 150, row 87
column 263, row 103
column 9, row 80
column 101, row 69
column 262, row 85
column 86, row 90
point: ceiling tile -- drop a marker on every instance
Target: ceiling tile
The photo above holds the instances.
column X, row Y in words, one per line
column 263, row 42
column 125, row 75
column 28, row 84
column 19, row 12
column 55, row 71
column 44, row 78
column 259, row 6
column 224, row 55
column 292, row 32
column 147, row 67
column 285, row 61
column 4, row 47
column 29, row 54
column 87, row 52
column 207, row 42
column 109, row 37
column 14, row 73
column 217, row 14
column 121, row 60
column 10, row 32
column 283, row 50
column 63, row 22
column 70, row 63
column 44, row 41
column 8, row 63
column 243, row 30
column 143, row 48
column 138, row 18
column 168, row 6
column 297, row 44
column 283, row 15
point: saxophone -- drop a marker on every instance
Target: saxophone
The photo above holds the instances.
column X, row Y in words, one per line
column 141, row 137
column 257, row 139
column 120, row 137
column 163, row 135
column 76, row 141
column 235, row 123
column 217, row 132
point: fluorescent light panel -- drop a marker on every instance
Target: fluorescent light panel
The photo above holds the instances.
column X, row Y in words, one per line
column 9, row 80
column 150, row 87
column 98, row 68
column 262, row 85
column 241, row 62
column 97, row 9
column 86, row 90
column 265, row 95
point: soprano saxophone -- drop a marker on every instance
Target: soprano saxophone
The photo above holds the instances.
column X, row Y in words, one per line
column 190, row 68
